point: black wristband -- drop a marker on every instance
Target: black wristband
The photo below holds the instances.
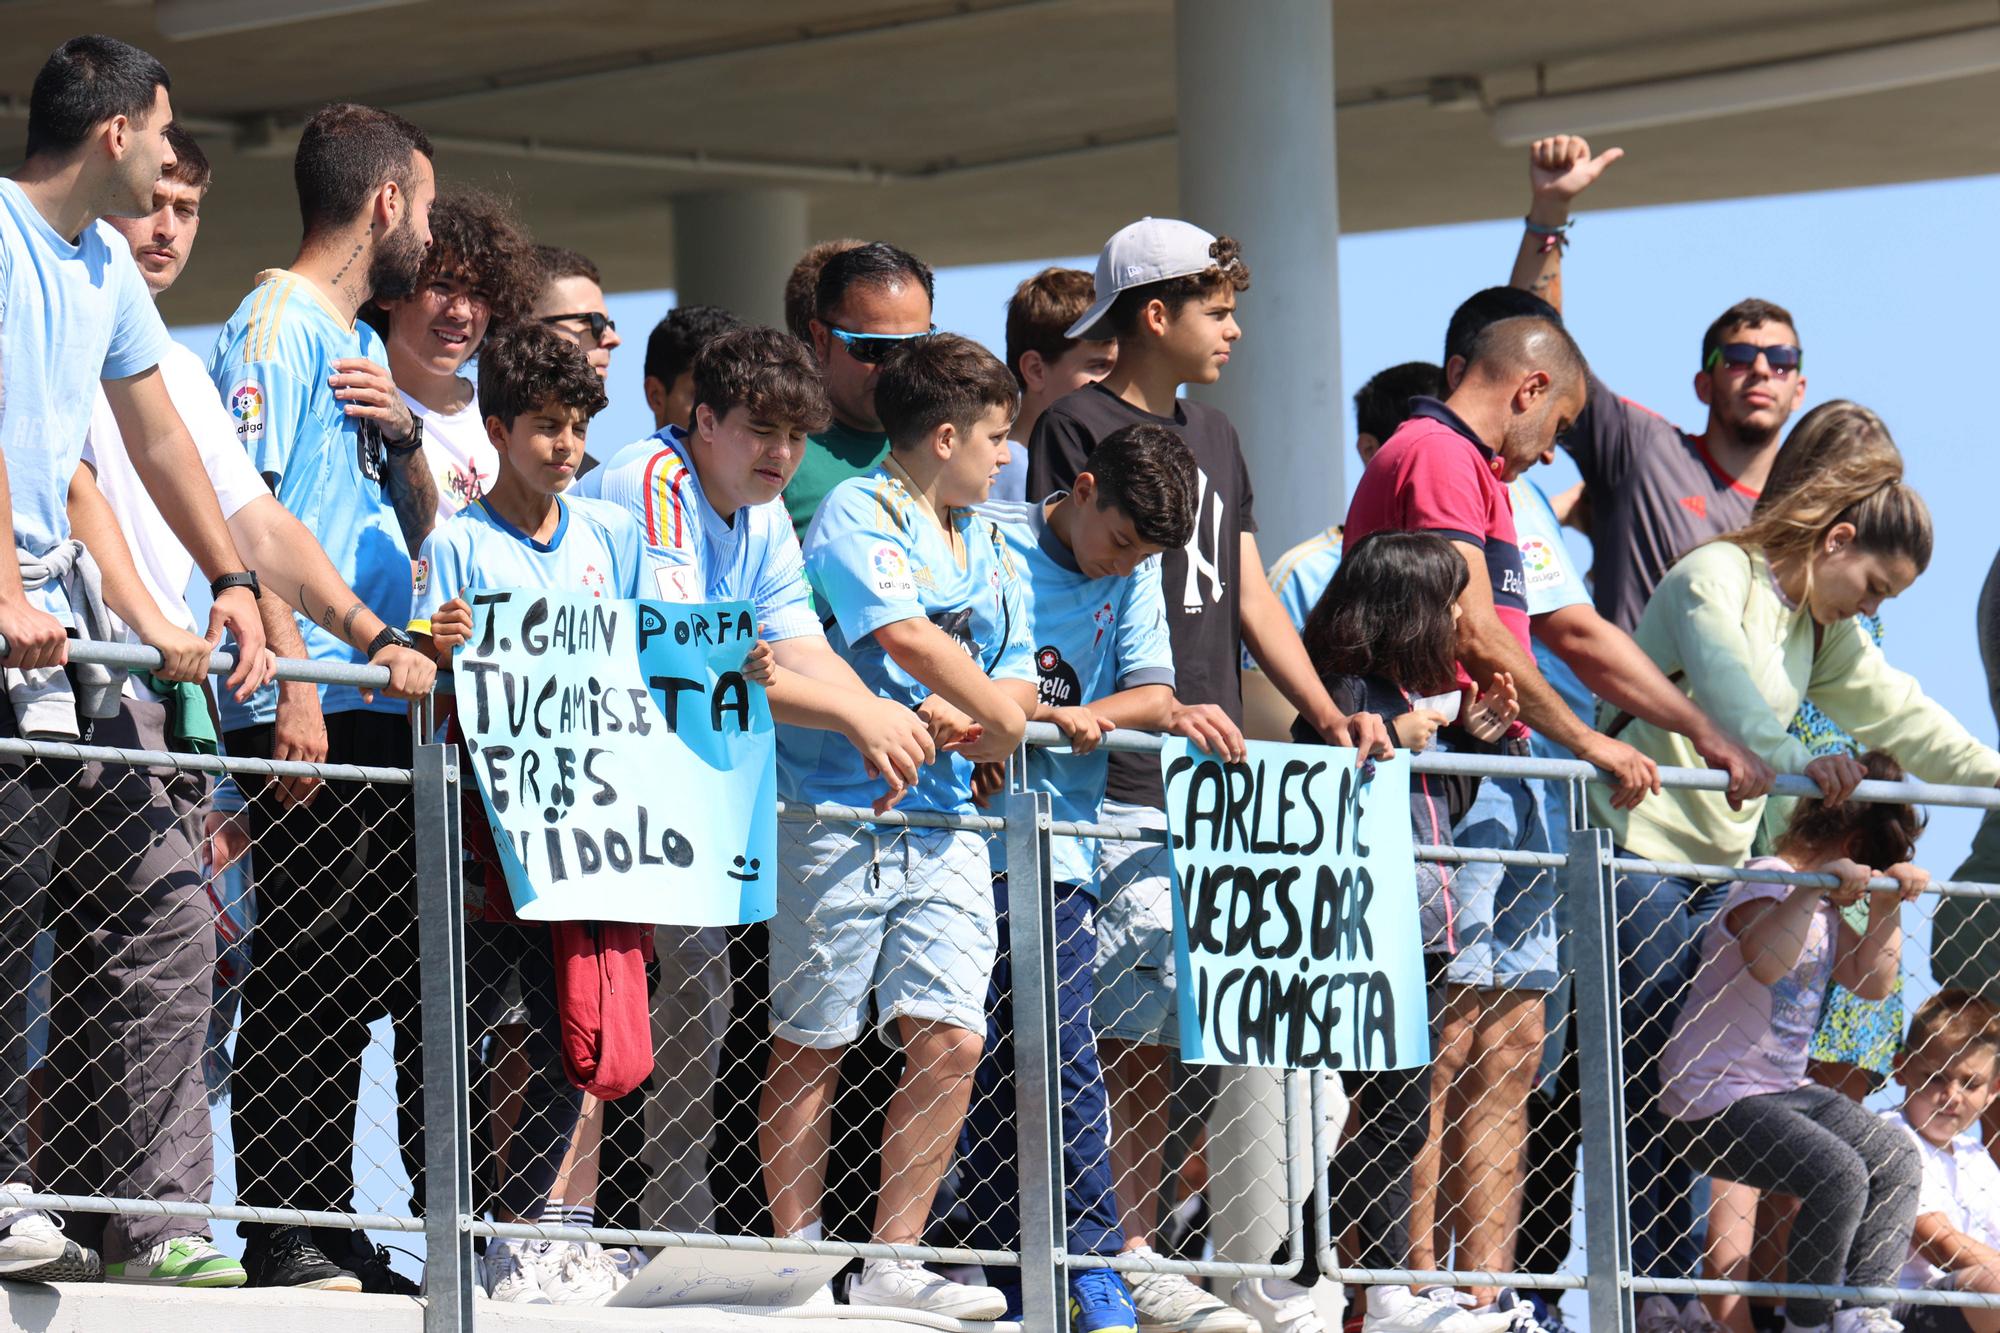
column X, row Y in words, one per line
column 389, row 635
column 242, row 578
column 410, row 445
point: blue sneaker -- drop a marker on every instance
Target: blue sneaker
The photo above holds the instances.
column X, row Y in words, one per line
column 1100, row 1303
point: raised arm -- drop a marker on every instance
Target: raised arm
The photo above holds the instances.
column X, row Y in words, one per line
column 1559, row 169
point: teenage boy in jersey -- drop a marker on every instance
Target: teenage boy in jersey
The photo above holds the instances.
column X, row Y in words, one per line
column 1099, row 626
column 1166, row 290
column 340, row 448
column 926, row 605
column 537, row 393
column 866, row 300
column 77, row 317
column 1655, row 491
column 1047, row 362
column 671, row 349
column 706, row 498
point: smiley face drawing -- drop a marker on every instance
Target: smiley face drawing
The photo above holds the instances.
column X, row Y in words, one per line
column 747, row 872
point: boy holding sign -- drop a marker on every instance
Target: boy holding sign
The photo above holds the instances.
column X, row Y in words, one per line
column 537, row 393
column 1098, row 621
column 927, row 606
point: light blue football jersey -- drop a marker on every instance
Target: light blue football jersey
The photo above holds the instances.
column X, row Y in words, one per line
column 594, row 549
column 271, row 364
column 693, row 553
column 875, row 556
column 1091, row 637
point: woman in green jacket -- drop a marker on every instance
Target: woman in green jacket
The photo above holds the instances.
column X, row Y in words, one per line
column 1749, row 625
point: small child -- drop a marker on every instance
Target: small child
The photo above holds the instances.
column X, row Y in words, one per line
column 1384, row 639
column 1950, row 1070
column 537, row 393
column 926, row 605
column 1097, row 617
column 1739, row 1103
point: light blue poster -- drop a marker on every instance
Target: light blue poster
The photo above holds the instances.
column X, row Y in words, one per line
column 1296, row 933
column 629, row 770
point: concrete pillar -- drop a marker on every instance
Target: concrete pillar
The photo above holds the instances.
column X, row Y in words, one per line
column 1255, row 112
column 735, row 248
column 1254, row 103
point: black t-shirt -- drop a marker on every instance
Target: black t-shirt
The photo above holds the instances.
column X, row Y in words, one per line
column 1199, row 581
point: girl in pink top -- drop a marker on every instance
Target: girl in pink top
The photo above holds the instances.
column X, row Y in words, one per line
column 1741, row 1106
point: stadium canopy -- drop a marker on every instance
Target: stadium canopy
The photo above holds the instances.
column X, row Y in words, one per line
column 699, row 145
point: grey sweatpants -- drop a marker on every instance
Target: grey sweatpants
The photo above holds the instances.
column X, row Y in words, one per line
column 133, row 983
column 1854, row 1174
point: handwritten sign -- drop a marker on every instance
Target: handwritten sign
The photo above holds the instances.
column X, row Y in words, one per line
column 1295, row 909
column 629, row 770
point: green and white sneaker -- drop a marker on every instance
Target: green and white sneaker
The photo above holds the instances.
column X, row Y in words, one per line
column 184, row 1261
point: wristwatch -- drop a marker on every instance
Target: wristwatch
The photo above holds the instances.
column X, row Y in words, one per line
column 414, row 442
column 242, row 578
column 390, row 635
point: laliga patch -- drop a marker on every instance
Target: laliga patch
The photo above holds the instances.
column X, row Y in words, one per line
column 890, row 569
column 676, row 583
column 420, row 575
column 246, row 404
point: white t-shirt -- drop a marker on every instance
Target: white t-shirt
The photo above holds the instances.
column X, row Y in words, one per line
column 463, row 461
column 1962, row 1182
column 165, row 567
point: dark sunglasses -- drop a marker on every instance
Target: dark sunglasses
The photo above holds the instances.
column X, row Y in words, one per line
column 870, row 348
column 597, row 320
column 1783, row 359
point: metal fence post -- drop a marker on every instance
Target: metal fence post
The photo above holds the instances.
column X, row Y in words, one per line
column 1593, row 921
column 448, row 1203
column 1037, row 1080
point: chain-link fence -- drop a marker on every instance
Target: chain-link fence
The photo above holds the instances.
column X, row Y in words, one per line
column 954, row 1043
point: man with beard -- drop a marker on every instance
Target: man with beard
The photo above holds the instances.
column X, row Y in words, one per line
column 1656, row 492
column 342, row 451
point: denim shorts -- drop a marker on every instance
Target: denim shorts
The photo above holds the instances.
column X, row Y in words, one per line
column 1506, row 915
column 904, row 913
column 1135, row 934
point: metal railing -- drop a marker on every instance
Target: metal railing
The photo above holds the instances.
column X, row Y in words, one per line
column 450, row 1217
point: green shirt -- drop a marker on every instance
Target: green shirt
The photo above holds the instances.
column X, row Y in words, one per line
column 832, row 456
column 1747, row 659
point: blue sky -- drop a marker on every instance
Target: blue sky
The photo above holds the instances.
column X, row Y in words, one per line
column 1891, row 287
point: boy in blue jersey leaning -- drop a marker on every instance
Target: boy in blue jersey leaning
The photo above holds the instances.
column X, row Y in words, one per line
column 706, row 497
column 1098, row 621
column 927, row 606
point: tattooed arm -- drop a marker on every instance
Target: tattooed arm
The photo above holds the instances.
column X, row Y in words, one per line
column 1559, row 169
column 370, row 396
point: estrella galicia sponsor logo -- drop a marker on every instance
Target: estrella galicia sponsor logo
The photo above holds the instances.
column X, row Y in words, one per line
column 1056, row 682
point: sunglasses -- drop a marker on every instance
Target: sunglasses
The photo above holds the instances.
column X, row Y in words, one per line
column 596, row 319
column 870, row 348
column 1783, row 359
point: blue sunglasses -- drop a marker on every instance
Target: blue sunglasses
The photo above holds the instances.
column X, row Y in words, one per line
column 870, row 348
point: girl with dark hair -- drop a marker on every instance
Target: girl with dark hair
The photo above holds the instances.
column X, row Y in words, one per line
column 1735, row 1089
column 1384, row 638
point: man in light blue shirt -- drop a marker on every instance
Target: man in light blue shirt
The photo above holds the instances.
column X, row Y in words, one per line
column 75, row 314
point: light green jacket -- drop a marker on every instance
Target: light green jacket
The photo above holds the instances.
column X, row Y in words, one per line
column 1747, row 660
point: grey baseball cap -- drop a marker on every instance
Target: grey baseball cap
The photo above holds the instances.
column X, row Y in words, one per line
column 1149, row 250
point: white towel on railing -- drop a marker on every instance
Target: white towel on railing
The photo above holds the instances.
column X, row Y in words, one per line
column 45, row 705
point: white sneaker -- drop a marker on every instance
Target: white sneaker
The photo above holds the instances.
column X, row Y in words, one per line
column 905, row 1284
column 509, row 1279
column 1278, row 1306
column 581, row 1277
column 1866, row 1319
column 628, row 1262
column 1695, row 1318
column 1169, row 1303
column 1659, row 1314
column 1399, row 1310
column 29, row 1238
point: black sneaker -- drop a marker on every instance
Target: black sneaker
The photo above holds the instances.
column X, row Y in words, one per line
column 369, row 1262
column 287, row 1257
